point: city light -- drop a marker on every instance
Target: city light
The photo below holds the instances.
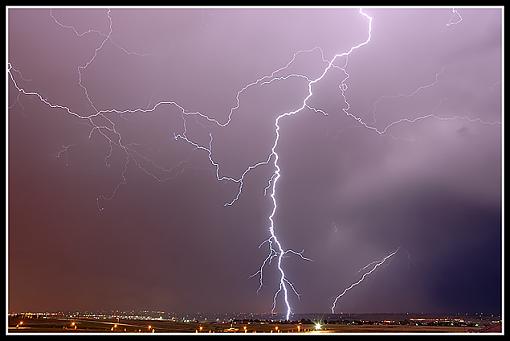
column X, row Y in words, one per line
column 316, row 326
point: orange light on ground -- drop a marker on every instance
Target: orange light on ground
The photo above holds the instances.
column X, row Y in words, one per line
column 150, row 327
column 115, row 326
column 298, row 328
column 245, row 329
column 20, row 323
column 201, row 328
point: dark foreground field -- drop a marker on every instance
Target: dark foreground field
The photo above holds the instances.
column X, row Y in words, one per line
column 52, row 325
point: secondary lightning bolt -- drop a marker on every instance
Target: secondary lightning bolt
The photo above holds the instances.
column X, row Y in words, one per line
column 377, row 264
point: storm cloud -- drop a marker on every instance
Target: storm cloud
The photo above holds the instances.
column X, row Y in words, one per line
column 347, row 195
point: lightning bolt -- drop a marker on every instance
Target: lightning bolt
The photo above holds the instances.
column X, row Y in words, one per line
column 64, row 150
column 113, row 137
column 279, row 251
column 411, row 94
column 11, row 68
column 455, row 18
column 377, row 264
column 368, row 265
column 106, row 37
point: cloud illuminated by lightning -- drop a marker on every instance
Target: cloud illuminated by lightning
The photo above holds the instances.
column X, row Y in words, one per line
column 114, row 138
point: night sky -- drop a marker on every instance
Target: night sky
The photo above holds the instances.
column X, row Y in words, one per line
column 413, row 161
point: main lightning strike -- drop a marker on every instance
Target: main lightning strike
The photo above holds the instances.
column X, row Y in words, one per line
column 280, row 251
column 377, row 264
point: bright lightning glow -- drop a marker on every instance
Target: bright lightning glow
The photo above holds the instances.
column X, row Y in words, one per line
column 377, row 264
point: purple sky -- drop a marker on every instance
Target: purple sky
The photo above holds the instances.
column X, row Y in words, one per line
column 89, row 231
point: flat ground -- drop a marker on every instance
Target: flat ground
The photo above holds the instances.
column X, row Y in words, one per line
column 40, row 325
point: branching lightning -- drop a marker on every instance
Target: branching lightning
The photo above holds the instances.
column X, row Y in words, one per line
column 377, row 264
column 97, row 32
column 411, row 94
column 455, row 18
column 280, row 251
column 64, row 151
column 113, row 137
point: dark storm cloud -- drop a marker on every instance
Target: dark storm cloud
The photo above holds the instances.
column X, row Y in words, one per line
column 346, row 195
